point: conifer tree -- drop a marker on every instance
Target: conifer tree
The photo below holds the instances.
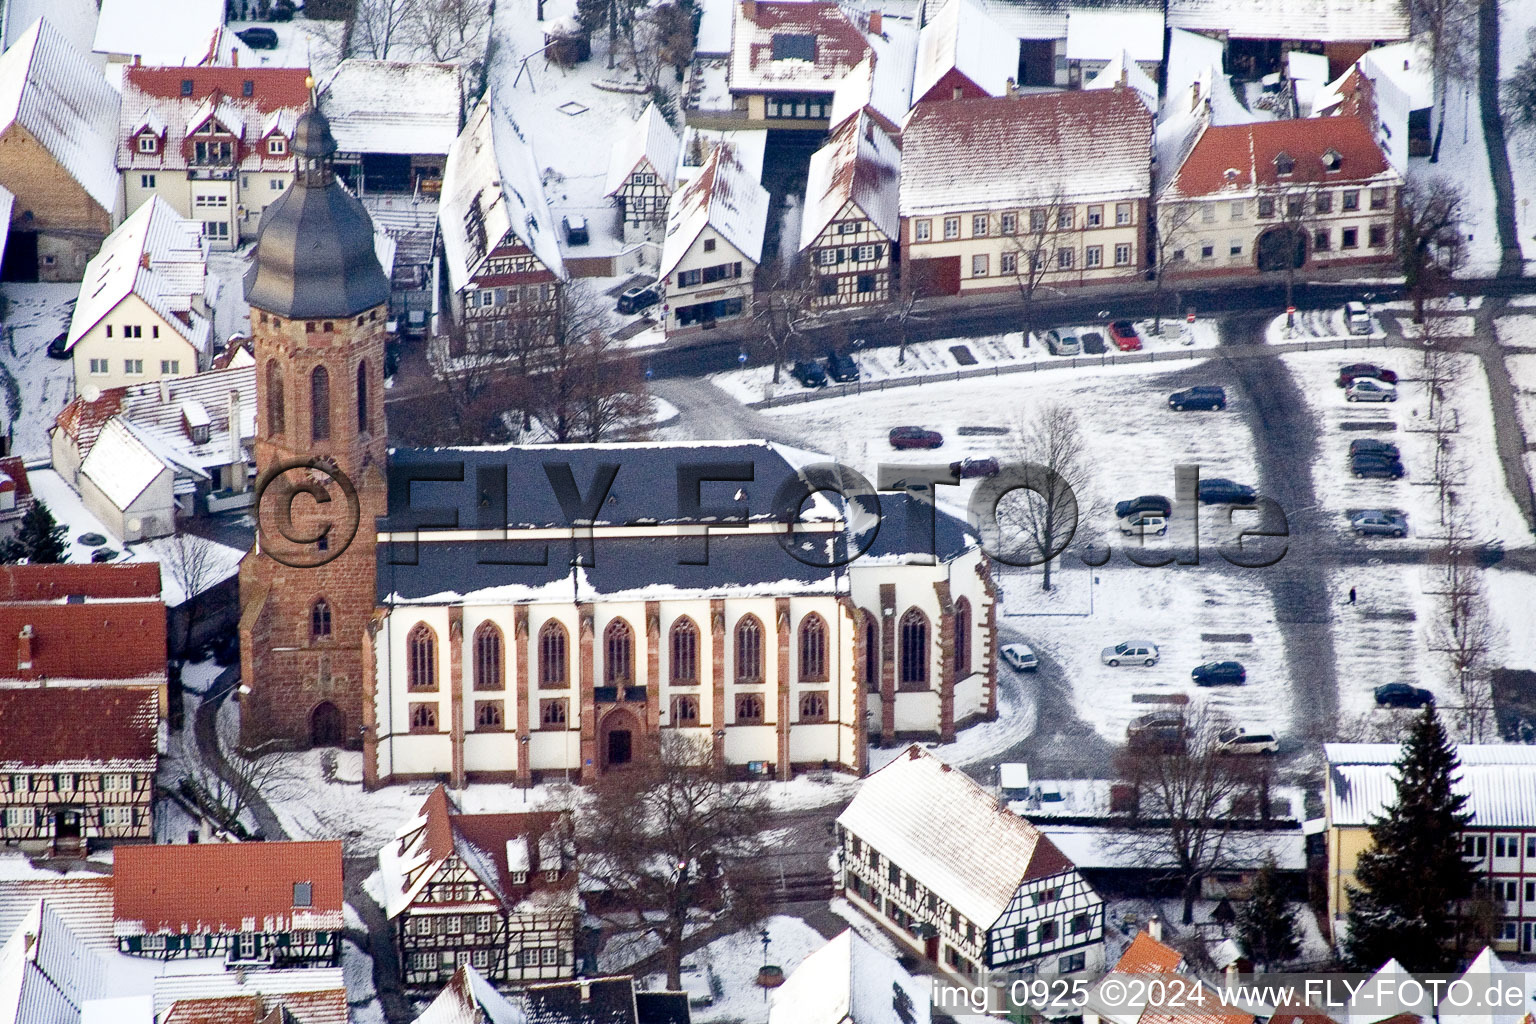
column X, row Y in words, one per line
column 38, row 539
column 1413, row 881
column 1266, row 924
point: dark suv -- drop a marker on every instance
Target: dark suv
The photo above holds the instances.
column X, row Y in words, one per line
column 1217, row 673
column 841, row 367
column 1202, row 397
column 1401, row 695
column 1154, row 504
column 1371, row 446
column 1217, row 491
column 809, row 373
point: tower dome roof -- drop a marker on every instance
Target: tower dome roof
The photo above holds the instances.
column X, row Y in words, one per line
column 315, row 250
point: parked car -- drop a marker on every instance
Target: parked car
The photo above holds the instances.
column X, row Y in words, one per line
column 1061, row 343
column 1238, row 740
column 1367, row 389
column 1355, row 371
column 1143, row 523
column 915, row 437
column 809, row 373
column 841, row 367
column 1123, row 334
column 1401, row 695
column 1219, row 491
column 1199, row 397
column 1153, row 503
column 1374, row 523
column 1019, row 657
column 635, row 299
column 58, row 348
column 1161, row 731
column 1357, row 319
column 967, row 469
column 575, row 229
column 1368, row 467
column 1218, row 673
column 1093, row 343
column 1361, row 446
column 258, row 38
column 1130, row 652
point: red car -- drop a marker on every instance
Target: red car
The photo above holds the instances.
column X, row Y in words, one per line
column 1348, row 374
column 1123, row 334
column 915, row 437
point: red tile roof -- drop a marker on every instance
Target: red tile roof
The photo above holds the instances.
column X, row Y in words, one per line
column 226, row 887
column 54, row 725
column 1248, row 152
column 56, row 582
column 13, row 467
column 81, row 421
column 96, row 640
column 839, row 45
column 490, row 833
column 323, row 1007
column 1145, row 955
column 272, row 88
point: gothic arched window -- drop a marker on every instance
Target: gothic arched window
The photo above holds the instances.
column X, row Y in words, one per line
column 320, row 404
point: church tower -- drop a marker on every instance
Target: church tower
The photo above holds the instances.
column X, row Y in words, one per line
column 318, row 310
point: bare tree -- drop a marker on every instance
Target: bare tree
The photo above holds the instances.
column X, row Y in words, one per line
column 453, row 30
column 1039, row 523
column 674, row 36
column 785, row 311
column 1172, row 232
column 193, row 564
column 594, row 391
column 226, row 790
column 669, row 839
column 1034, row 254
column 1184, row 791
column 1520, row 96
column 902, row 310
column 1430, row 243
column 1468, row 639
column 1292, row 205
column 379, row 25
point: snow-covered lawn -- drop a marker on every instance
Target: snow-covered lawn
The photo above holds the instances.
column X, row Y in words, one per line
column 35, row 313
column 734, row 960
column 1381, row 639
column 1517, row 331
column 1522, row 372
column 1517, row 43
column 1464, row 159
column 1494, row 513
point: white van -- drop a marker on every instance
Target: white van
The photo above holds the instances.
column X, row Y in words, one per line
column 1357, row 318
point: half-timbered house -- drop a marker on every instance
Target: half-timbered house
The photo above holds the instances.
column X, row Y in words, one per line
column 642, row 172
column 77, row 765
column 499, row 243
column 714, row 242
column 851, row 221
column 258, row 905
column 931, row 856
column 494, row 891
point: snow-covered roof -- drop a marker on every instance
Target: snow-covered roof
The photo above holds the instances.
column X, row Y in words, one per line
column 519, row 857
column 121, row 464
column 1327, row 21
column 698, row 143
column 46, row 972
column 492, row 188
column 54, row 91
column 76, row 19
column 949, row 834
column 714, row 37
column 998, row 153
column 387, row 106
column 1487, row 969
column 792, row 45
column 469, row 999
column 283, row 984
column 156, row 411
column 160, row 100
column 165, row 33
column 725, row 196
column 650, row 139
column 895, row 53
column 216, row 107
column 1499, row 781
column 861, row 165
column 156, row 254
column 963, row 37
column 1238, row 159
column 849, row 980
column 1407, row 66
column 1095, row 33
column 1098, row 847
column 1123, row 69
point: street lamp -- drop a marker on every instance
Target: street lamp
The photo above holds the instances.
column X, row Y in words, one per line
column 527, row 772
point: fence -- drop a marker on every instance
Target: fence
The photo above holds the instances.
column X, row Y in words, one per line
column 1107, row 359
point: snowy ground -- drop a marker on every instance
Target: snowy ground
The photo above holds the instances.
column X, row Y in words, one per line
column 232, row 314
column 1322, row 324
column 34, row 315
column 1495, row 514
column 734, row 960
column 1464, row 159
column 1517, row 43
column 1000, row 351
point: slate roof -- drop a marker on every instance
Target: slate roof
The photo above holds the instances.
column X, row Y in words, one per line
column 92, row 727
column 860, row 164
column 725, row 196
column 997, row 153
column 153, row 98
column 1328, row 21
column 492, row 187
column 963, row 37
column 218, row 888
column 850, row 980
column 649, row 139
column 1498, row 779
column 389, row 106
column 165, row 33
column 759, row 42
column 161, row 257
column 58, row 95
column 591, row 1001
column 1250, row 150
column 53, row 583
column 950, row 834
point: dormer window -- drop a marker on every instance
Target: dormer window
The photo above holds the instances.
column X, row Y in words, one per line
column 519, row 877
column 552, row 875
column 277, row 145
column 186, row 87
column 1284, row 165
column 794, row 46
column 248, row 88
column 1332, row 160
column 148, row 143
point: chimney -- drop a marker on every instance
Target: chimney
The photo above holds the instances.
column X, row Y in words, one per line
column 1155, row 928
column 144, row 260
column 1194, row 94
column 875, row 24
column 236, row 456
column 24, row 648
column 137, row 60
column 586, row 990
column 1232, row 974
column 749, row 9
column 234, row 56
column 1125, row 70
column 1013, row 87
column 165, row 391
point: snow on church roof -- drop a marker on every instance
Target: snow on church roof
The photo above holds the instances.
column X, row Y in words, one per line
column 725, row 196
column 950, row 834
column 964, row 37
column 651, row 139
column 54, row 91
column 850, row 980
